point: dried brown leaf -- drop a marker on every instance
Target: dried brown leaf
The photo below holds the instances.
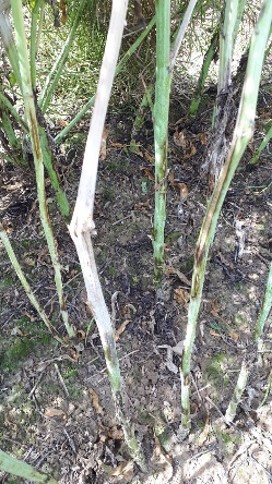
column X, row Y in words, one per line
column 190, row 152
column 115, row 433
column 53, row 412
column 180, row 139
column 170, row 271
column 95, row 401
column 103, row 146
column 16, row 331
column 181, row 295
column 121, row 329
column 62, row 123
column 149, row 157
column 203, row 138
column 63, row 9
column 125, row 469
column 234, row 335
column 171, row 179
column 148, row 173
column 204, row 434
column 183, row 191
column 215, row 334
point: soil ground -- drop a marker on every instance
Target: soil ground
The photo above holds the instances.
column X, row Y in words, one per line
column 56, row 410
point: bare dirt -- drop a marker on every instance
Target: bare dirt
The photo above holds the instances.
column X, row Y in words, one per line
column 56, row 411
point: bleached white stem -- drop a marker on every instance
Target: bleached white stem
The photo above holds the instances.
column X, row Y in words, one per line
column 82, row 224
column 83, row 213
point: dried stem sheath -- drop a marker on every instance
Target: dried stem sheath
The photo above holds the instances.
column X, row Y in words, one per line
column 218, row 146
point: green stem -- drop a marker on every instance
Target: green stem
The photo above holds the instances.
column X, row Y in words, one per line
column 227, row 44
column 262, row 146
column 244, row 371
column 161, row 113
column 237, row 394
column 121, row 64
column 62, row 135
column 180, row 33
column 266, row 307
column 34, row 38
column 32, row 298
column 242, row 134
column 240, row 12
column 165, row 63
column 4, row 100
column 8, row 42
column 9, row 131
column 55, row 73
column 31, row 118
column 47, row 159
column 208, row 58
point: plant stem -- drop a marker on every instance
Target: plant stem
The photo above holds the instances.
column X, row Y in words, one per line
column 227, row 40
column 165, row 62
column 82, row 224
column 218, row 146
column 161, row 113
column 266, row 307
column 244, row 371
column 7, row 104
column 242, row 134
column 47, row 160
column 262, row 146
column 121, row 64
column 181, row 32
column 238, row 392
column 34, row 39
column 55, row 73
column 7, row 127
column 65, row 131
column 6, row 242
column 208, row 58
column 31, row 118
column 8, row 42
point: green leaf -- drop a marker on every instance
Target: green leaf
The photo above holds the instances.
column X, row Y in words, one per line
column 19, row 468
